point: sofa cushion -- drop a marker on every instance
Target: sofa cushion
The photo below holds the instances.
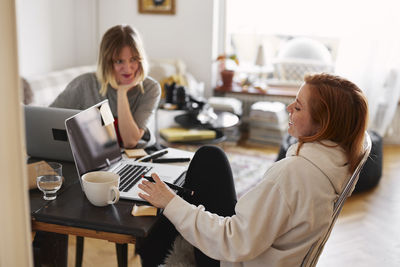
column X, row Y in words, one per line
column 46, row 87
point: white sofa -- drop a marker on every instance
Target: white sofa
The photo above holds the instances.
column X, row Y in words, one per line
column 46, row 87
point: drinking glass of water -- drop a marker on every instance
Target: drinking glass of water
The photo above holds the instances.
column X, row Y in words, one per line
column 49, row 179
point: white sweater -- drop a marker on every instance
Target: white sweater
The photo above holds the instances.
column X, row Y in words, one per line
column 278, row 221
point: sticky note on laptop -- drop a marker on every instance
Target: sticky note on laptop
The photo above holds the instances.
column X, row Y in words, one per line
column 106, row 114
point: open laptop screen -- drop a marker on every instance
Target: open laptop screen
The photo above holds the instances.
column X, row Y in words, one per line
column 93, row 140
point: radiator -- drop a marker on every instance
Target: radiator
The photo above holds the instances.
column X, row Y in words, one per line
column 392, row 135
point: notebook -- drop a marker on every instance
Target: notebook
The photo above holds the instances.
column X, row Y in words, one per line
column 45, row 132
column 95, row 146
column 181, row 134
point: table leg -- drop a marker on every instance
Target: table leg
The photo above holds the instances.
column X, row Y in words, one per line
column 50, row 249
column 79, row 251
column 122, row 254
column 36, row 255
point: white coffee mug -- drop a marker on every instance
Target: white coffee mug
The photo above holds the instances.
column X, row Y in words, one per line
column 101, row 188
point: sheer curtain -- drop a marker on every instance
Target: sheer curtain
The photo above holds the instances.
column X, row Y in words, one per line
column 369, row 55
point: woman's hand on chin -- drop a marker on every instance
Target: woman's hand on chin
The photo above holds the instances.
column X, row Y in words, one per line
column 126, row 87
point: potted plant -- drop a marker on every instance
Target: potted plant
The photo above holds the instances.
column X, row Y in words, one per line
column 227, row 63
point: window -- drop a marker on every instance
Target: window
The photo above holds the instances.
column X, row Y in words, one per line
column 361, row 36
column 256, row 30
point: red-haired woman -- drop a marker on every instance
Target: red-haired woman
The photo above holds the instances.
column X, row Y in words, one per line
column 277, row 222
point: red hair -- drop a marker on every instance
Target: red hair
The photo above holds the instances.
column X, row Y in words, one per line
column 340, row 108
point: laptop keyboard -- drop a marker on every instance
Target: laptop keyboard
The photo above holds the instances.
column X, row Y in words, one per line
column 130, row 175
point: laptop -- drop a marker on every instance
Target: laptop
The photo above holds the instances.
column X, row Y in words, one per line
column 95, row 146
column 45, row 132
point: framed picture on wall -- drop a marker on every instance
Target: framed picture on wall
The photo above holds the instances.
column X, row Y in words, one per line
column 157, row 6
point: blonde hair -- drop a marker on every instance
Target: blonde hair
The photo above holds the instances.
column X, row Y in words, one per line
column 113, row 41
column 340, row 108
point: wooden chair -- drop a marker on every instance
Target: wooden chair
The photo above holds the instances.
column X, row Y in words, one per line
column 315, row 251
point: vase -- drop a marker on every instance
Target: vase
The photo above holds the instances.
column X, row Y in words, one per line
column 227, row 79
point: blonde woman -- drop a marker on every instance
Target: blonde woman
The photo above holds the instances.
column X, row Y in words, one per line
column 121, row 78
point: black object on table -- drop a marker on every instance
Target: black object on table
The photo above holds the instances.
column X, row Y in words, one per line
column 224, row 120
column 171, row 160
column 153, row 156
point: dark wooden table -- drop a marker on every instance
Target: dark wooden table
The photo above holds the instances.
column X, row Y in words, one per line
column 72, row 214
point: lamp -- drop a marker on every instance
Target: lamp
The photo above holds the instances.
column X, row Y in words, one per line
column 260, row 60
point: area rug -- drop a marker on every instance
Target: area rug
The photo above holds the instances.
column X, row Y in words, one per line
column 248, row 166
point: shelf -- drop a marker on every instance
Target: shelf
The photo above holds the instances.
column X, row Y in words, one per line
column 281, row 91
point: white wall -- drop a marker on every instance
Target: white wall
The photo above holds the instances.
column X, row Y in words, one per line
column 187, row 35
column 55, row 34
column 87, row 37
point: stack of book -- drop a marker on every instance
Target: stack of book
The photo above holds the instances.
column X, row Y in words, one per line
column 268, row 122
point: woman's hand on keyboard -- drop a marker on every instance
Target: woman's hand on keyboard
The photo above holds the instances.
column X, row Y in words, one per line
column 158, row 193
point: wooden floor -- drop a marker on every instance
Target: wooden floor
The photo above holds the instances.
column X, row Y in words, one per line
column 367, row 233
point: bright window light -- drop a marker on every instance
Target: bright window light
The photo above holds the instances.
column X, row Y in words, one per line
column 324, row 19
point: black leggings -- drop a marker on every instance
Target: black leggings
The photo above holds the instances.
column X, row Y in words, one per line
column 210, row 176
